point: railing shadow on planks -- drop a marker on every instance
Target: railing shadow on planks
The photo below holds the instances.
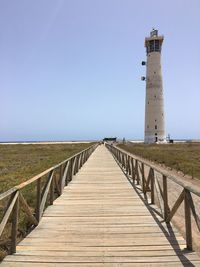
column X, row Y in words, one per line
column 148, row 184
column 47, row 186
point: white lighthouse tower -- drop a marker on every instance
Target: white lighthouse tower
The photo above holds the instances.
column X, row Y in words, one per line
column 154, row 104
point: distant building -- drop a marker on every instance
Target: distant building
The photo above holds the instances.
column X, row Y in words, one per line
column 154, row 104
column 110, row 139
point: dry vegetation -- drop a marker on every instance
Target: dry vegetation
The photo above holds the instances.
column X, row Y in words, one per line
column 21, row 162
column 184, row 157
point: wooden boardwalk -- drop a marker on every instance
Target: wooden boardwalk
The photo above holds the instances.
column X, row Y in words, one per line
column 101, row 221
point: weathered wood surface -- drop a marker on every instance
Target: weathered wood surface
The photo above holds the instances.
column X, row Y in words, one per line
column 101, row 221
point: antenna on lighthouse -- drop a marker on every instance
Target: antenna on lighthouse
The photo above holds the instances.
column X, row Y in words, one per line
column 154, row 32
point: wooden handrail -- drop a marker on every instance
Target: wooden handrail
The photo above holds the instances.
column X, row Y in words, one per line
column 134, row 169
column 172, row 178
column 33, row 179
column 53, row 186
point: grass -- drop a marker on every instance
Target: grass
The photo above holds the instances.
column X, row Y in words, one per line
column 184, row 157
column 19, row 163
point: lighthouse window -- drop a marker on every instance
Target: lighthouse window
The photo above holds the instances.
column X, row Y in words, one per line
column 157, row 45
column 151, row 46
column 156, row 127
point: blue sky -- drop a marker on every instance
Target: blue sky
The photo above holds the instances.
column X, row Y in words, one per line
column 70, row 69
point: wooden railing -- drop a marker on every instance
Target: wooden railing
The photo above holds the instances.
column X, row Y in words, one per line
column 143, row 175
column 47, row 185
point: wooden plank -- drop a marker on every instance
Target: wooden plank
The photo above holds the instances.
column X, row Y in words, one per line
column 99, row 220
column 101, row 241
column 102, row 253
column 77, row 248
column 94, row 264
column 86, row 259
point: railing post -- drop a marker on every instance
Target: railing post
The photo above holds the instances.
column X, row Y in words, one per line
column 67, row 174
column 133, row 170
column 67, row 180
column 152, row 187
column 38, row 201
column 129, row 165
column 60, row 178
column 71, row 169
column 165, row 198
column 83, row 157
column 14, row 230
column 86, row 155
column 143, row 180
column 81, row 160
column 129, row 168
column 52, row 191
column 126, row 163
column 115, row 152
column 120, row 158
column 188, row 225
column 76, row 165
column 137, row 172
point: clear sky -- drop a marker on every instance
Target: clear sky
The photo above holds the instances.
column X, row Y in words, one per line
column 70, row 69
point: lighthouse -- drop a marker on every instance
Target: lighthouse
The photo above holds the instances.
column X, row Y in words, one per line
column 154, row 102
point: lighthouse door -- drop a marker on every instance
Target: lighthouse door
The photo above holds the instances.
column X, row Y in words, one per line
column 156, row 139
